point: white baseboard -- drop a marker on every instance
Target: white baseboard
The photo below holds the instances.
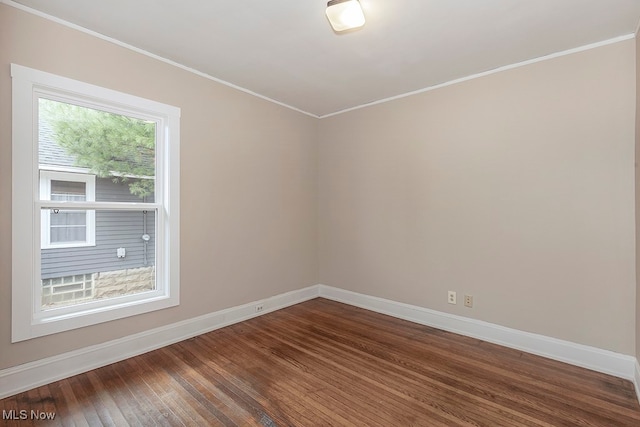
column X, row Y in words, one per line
column 636, row 379
column 34, row 374
column 593, row 358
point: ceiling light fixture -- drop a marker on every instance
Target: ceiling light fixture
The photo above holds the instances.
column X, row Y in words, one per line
column 345, row 14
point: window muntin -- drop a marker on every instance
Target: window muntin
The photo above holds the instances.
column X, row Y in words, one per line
column 153, row 194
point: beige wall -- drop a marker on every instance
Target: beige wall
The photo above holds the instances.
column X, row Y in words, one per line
column 517, row 188
column 637, row 195
column 248, row 181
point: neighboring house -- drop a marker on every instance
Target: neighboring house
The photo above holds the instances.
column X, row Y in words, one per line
column 90, row 254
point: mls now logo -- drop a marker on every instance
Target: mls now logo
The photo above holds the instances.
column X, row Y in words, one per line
column 23, row 414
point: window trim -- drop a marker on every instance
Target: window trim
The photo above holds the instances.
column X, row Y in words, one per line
column 46, row 176
column 28, row 321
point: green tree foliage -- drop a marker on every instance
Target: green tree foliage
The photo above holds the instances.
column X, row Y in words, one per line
column 110, row 145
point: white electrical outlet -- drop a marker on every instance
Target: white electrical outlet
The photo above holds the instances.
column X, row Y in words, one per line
column 259, row 308
column 468, row 301
column 451, row 297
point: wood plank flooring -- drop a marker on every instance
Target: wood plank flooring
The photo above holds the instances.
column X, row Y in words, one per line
column 322, row 363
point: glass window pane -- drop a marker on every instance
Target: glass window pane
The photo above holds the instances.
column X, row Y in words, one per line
column 69, row 189
column 68, row 234
column 100, row 271
column 68, row 218
column 120, row 150
column 67, row 226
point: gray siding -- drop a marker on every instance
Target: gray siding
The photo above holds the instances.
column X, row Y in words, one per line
column 108, row 191
column 113, row 230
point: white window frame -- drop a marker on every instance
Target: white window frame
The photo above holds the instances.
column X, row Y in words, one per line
column 28, row 318
column 46, row 176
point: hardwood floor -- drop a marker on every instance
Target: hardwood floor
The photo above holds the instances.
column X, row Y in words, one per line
column 322, row 363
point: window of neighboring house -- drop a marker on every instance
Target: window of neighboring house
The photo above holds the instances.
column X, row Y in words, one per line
column 95, row 204
column 67, row 228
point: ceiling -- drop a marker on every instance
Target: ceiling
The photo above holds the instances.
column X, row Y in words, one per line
column 285, row 50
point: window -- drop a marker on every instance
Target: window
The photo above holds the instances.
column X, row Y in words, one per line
column 65, row 228
column 95, row 204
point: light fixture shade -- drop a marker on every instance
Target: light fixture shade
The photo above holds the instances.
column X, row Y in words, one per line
column 345, row 14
